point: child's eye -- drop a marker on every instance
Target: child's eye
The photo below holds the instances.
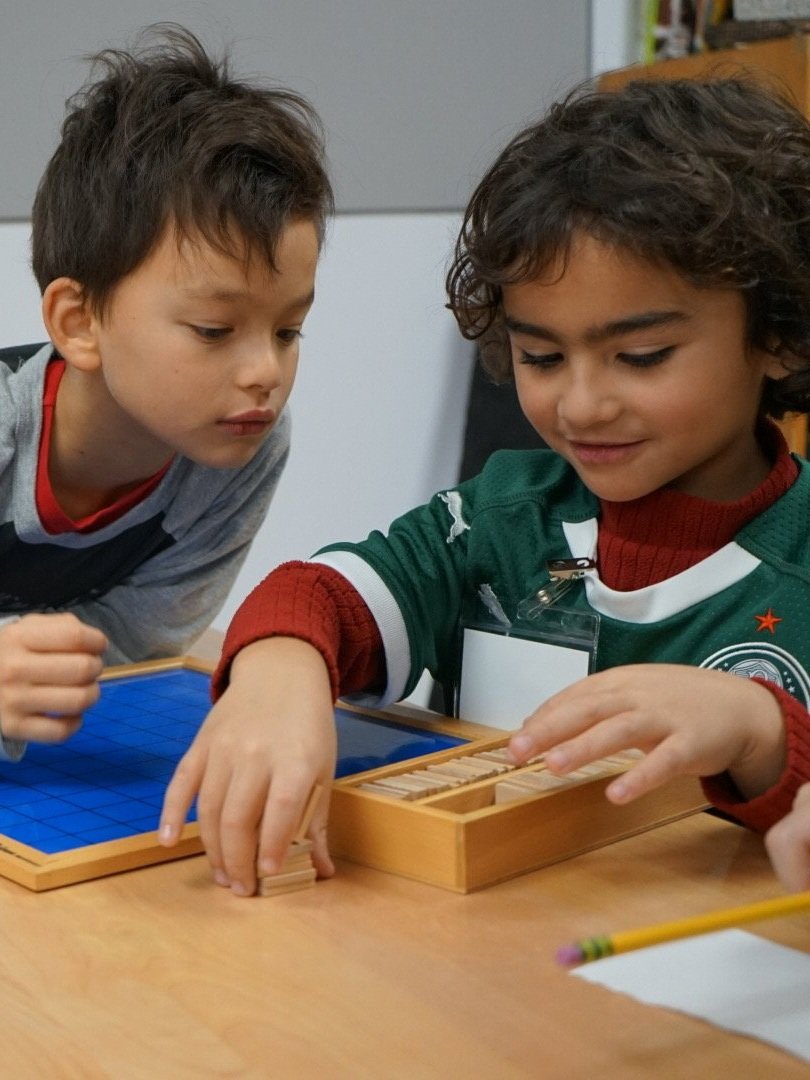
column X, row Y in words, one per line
column 647, row 359
column 289, row 336
column 211, row 333
column 541, row 360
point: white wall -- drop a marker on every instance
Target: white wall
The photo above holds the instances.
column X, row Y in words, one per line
column 378, row 406
column 615, row 31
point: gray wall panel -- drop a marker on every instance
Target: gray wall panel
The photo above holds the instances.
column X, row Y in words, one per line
column 416, row 95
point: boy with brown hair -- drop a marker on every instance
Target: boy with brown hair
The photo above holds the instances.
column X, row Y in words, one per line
column 176, row 232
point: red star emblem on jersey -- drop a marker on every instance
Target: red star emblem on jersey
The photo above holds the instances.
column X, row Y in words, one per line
column 767, row 621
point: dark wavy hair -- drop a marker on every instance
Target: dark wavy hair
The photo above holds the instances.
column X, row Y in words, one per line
column 709, row 177
column 165, row 135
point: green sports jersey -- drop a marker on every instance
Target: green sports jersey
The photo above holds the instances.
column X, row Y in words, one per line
column 744, row 609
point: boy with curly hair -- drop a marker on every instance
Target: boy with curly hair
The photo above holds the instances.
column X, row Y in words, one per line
column 637, row 261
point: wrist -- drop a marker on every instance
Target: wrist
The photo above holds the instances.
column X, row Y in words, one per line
column 294, row 656
column 764, row 756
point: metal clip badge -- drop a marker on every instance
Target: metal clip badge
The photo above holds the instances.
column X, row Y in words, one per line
column 563, row 573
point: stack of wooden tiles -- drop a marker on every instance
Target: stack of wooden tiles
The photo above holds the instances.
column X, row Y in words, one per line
column 296, row 873
column 485, row 764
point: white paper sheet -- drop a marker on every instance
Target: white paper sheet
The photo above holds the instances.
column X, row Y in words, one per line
column 734, row 979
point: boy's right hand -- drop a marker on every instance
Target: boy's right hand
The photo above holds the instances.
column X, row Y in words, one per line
column 263, row 747
column 49, row 669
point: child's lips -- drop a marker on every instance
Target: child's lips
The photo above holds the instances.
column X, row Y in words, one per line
column 252, row 422
column 603, row 453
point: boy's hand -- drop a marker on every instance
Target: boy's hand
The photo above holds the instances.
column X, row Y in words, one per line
column 788, row 844
column 689, row 721
column 49, row 667
column 265, row 744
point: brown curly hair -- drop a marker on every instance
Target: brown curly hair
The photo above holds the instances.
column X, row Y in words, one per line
column 710, row 177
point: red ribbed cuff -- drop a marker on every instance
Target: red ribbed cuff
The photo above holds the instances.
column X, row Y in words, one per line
column 766, row 809
column 316, row 604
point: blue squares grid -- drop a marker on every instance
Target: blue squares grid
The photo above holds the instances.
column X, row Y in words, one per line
column 107, row 781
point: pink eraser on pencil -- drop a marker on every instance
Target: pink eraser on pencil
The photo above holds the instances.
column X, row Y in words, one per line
column 569, row 955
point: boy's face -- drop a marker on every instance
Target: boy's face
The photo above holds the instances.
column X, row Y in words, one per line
column 198, row 350
column 637, row 378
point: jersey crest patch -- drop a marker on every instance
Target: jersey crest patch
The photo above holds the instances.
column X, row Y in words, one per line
column 757, row 659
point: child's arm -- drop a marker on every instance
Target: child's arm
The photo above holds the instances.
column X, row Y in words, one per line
column 689, row 721
column 273, row 713
column 49, row 667
column 271, row 736
column 788, row 844
column 269, row 739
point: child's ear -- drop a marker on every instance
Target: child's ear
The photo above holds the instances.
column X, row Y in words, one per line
column 777, row 361
column 71, row 323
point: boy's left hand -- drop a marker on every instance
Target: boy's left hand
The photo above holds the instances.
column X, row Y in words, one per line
column 689, row 721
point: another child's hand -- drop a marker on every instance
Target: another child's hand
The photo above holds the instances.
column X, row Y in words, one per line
column 265, row 744
column 788, row 844
column 49, row 669
column 689, row 721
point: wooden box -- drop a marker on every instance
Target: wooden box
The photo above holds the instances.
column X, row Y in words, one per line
column 465, row 838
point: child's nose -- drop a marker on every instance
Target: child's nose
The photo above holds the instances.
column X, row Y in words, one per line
column 587, row 400
column 261, row 366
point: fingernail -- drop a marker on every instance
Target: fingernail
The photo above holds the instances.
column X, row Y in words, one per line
column 268, row 867
column 221, row 878
column 239, row 888
column 558, row 759
column 167, row 833
column 520, row 745
column 617, row 790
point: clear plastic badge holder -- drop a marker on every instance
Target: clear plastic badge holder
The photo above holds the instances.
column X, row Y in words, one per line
column 541, row 616
column 509, row 667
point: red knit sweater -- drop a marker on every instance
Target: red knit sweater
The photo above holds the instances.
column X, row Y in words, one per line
column 640, row 543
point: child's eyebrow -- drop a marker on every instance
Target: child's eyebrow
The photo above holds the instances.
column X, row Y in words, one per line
column 628, row 325
column 226, row 296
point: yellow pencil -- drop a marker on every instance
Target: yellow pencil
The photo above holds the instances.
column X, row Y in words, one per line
column 594, row 948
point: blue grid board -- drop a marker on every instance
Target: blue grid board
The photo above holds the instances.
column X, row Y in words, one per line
column 107, row 781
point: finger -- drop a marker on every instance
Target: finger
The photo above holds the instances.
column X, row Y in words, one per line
column 64, row 669
column 282, row 817
column 20, row 702
column 180, row 794
column 789, row 850
column 558, row 723
column 662, row 764
column 239, row 827
column 61, row 632
column 318, row 834
column 43, row 729
column 26, row 668
column 576, row 732
column 792, row 865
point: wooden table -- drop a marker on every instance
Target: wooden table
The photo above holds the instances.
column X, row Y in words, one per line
column 158, row 973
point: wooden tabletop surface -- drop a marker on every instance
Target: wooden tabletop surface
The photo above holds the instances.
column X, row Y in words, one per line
column 159, row 973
